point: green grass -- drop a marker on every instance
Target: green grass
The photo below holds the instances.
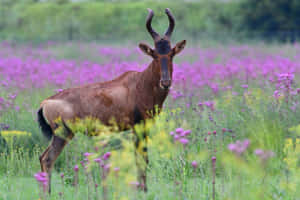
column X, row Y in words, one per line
column 169, row 177
column 258, row 117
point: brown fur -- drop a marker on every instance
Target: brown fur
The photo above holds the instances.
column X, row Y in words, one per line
column 114, row 99
column 128, row 99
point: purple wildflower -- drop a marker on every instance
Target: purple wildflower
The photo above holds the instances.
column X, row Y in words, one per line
column 276, row 94
column 98, row 160
column 183, row 141
column 82, row 163
column 210, row 104
column 185, row 133
column 213, row 159
column 177, row 137
column 87, row 154
column 42, row 177
column 106, row 156
column 106, row 167
column 231, row 147
column 263, row 154
column 17, row 108
column 179, row 130
column 116, row 169
column 76, row 168
column 59, row 90
column 245, row 86
column 239, row 147
column 135, row 183
column 194, row 164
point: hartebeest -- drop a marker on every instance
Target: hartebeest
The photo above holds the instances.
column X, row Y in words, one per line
column 129, row 99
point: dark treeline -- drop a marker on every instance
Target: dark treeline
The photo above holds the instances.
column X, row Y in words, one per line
column 105, row 20
column 272, row 19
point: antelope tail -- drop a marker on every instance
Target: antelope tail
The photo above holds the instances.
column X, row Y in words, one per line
column 46, row 129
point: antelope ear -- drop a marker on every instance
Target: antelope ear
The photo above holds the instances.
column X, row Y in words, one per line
column 146, row 49
column 178, row 47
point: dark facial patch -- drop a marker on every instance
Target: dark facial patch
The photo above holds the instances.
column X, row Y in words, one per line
column 164, row 69
column 163, row 47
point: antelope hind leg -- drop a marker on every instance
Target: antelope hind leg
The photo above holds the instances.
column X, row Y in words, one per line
column 49, row 156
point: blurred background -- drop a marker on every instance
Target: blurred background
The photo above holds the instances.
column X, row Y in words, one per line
column 119, row 20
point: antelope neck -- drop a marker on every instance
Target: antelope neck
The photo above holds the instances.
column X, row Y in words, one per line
column 149, row 82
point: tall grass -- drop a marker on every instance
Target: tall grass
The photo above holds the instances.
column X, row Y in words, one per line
column 216, row 117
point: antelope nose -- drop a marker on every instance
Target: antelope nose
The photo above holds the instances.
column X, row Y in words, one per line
column 165, row 84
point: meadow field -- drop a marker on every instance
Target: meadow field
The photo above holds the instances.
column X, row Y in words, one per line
column 230, row 128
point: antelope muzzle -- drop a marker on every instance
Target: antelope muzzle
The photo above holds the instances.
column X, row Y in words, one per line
column 165, row 84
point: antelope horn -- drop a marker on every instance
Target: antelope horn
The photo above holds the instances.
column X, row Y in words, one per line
column 171, row 23
column 154, row 35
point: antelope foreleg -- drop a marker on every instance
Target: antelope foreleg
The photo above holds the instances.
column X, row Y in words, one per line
column 141, row 156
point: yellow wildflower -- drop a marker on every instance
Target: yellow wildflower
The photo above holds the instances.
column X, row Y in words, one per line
column 9, row 134
column 12, row 133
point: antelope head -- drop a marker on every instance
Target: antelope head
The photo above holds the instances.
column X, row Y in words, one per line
column 163, row 53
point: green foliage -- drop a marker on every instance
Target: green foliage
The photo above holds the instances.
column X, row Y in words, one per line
column 106, row 20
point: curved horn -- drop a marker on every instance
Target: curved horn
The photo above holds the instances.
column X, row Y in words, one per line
column 171, row 23
column 154, row 35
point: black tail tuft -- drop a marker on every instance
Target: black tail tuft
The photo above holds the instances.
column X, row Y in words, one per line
column 46, row 129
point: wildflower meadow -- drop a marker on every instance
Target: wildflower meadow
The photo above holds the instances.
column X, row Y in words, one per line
column 230, row 128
